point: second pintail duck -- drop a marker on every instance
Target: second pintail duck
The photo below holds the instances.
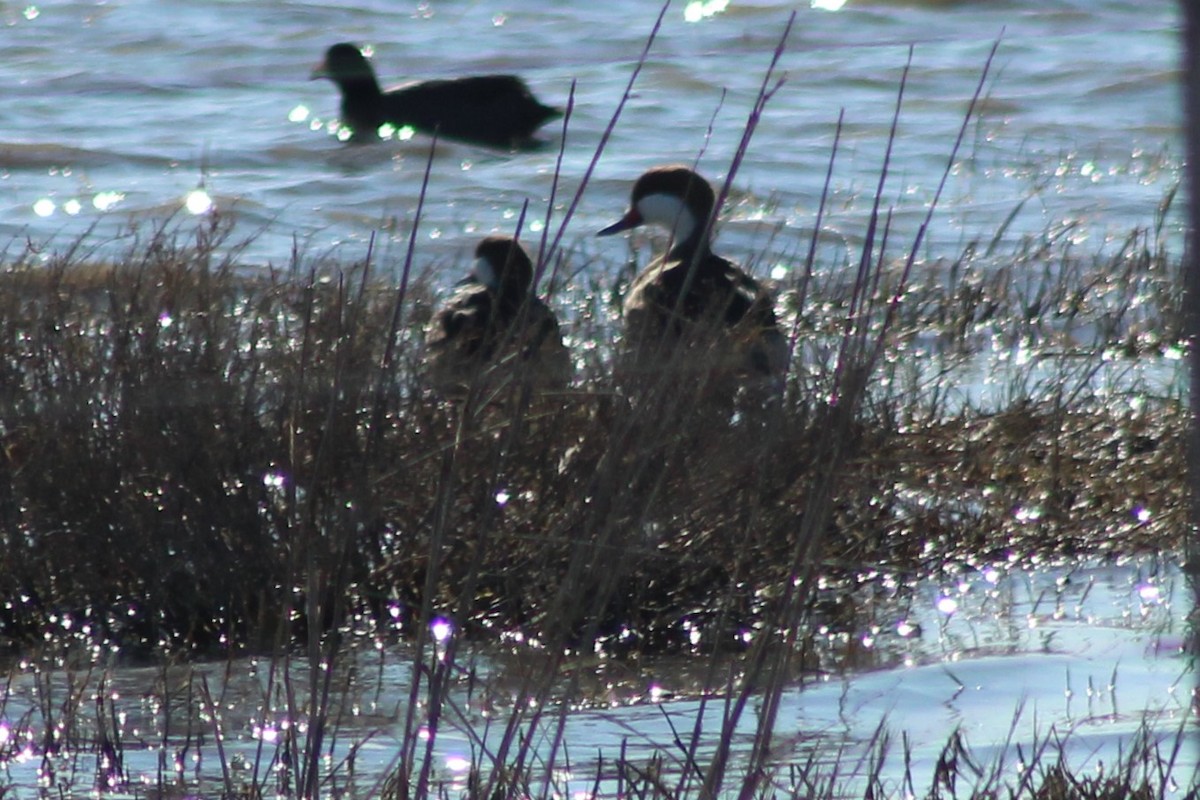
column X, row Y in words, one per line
column 691, row 297
column 492, row 110
column 495, row 329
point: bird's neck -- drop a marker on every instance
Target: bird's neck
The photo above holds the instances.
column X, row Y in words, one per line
column 689, row 234
column 361, row 86
column 695, row 250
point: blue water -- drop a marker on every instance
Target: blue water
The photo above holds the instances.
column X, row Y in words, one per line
column 1026, row 665
column 115, row 111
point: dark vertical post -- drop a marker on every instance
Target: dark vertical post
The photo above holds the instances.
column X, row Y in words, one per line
column 1191, row 297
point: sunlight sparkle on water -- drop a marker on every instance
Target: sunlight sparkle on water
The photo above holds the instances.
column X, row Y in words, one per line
column 298, row 114
column 31, row 13
column 458, row 763
column 198, row 202
column 828, row 5
column 268, row 733
column 44, row 207
column 403, row 133
column 697, row 10
column 1024, row 514
column 441, row 629
column 103, row 201
column 1149, row 593
column 947, row 605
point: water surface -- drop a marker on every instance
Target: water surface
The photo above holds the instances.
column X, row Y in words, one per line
column 116, row 111
column 1082, row 659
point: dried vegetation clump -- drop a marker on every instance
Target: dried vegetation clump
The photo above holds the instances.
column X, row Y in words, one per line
column 198, row 454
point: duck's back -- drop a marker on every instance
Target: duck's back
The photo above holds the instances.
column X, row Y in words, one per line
column 476, row 333
column 490, row 109
column 466, row 324
column 722, row 310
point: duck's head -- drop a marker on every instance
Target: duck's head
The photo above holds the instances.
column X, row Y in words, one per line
column 675, row 198
column 502, row 265
column 344, row 63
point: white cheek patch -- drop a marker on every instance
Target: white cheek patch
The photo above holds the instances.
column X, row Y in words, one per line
column 668, row 211
column 485, row 274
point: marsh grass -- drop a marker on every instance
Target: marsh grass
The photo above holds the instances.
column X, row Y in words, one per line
column 202, row 459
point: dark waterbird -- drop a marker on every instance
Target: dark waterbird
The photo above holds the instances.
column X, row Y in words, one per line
column 494, row 329
column 491, row 110
column 689, row 297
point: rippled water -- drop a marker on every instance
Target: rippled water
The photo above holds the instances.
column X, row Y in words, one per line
column 1081, row 658
column 118, row 110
